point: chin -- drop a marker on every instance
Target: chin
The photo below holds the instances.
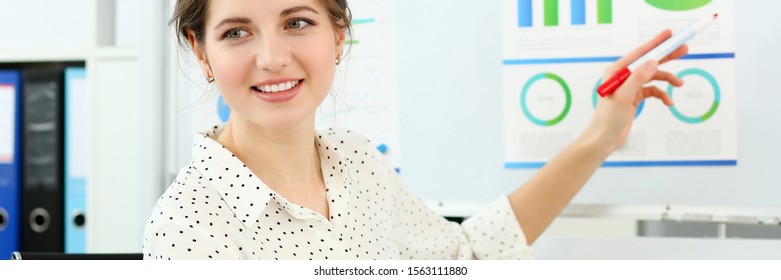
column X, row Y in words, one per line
column 285, row 120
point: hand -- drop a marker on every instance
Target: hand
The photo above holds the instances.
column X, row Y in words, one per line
column 614, row 114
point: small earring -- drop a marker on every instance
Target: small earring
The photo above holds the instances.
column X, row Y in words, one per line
column 338, row 59
column 210, row 76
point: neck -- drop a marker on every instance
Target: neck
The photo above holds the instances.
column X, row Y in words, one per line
column 285, row 158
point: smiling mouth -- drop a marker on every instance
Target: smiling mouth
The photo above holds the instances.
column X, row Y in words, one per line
column 277, row 87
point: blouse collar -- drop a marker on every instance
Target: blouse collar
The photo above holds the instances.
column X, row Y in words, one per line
column 244, row 192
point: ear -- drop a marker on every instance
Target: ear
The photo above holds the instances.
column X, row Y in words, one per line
column 341, row 37
column 200, row 54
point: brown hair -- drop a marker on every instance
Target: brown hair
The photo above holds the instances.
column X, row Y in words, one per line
column 190, row 15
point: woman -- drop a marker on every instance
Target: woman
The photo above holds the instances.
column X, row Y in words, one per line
column 266, row 185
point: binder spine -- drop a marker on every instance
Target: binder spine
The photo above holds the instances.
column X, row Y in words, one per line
column 42, row 197
column 75, row 160
column 10, row 162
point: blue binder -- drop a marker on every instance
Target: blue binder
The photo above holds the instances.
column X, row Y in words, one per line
column 10, row 165
column 76, row 135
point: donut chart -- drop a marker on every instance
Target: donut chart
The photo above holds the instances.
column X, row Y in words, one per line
column 525, row 91
column 716, row 97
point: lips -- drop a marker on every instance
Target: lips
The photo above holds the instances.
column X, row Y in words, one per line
column 277, row 91
column 273, row 88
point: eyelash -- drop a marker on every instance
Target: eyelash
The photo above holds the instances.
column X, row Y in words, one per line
column 226, row 36
column 307, row 21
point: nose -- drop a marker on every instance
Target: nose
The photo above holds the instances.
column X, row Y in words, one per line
column 273, row 53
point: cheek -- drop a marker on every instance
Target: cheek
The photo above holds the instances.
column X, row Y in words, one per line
column 318, row 61
column 231, row 69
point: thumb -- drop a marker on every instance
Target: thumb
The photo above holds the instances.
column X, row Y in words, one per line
column 643, row 74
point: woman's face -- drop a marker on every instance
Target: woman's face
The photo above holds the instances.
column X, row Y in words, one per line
column 273, row 60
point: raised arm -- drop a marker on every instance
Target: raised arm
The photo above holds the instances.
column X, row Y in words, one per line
column 545, row 195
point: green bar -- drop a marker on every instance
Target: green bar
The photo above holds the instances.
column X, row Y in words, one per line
column 604, row 11
column 551, row 12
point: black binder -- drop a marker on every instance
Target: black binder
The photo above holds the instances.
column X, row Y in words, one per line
column 19, row 256
column 43, row 179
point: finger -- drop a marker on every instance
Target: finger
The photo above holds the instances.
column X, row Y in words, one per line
column 678, row 53
column 624, row 61
column 668, row 77
column 635, row 82
column 657, row 93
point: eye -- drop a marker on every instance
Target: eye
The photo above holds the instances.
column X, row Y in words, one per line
column 235, row 34
column 297, row 24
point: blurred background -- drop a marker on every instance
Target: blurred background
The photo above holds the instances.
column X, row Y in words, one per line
column 106, row 105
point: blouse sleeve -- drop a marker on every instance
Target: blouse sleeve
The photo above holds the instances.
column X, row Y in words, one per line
column 493, row 233
column 176, row 242
column 421, row 233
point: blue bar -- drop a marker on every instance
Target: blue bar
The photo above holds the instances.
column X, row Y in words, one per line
column 524, row 13
column 709, row 56
column 670, row 163
column 558, row 60
column 603, row 59
column 578, row 12
column 519, row 165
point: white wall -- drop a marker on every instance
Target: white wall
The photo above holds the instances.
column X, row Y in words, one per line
column 43, row 24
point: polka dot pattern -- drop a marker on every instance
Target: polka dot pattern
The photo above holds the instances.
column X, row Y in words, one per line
column 218, row 209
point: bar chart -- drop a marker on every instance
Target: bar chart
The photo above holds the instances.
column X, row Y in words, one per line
column 551, row 11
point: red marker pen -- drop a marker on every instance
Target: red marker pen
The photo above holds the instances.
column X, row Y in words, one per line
column 657, row 53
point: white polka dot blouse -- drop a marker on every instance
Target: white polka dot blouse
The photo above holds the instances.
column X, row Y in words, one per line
column 217, row 209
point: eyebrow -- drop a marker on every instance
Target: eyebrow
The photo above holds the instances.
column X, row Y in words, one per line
column 284, row 13
column 242, row 20
column 296, row 9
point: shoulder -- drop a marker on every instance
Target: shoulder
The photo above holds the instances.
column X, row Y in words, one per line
column 189, row 183
column 184, row 201
column 341, row 136
column 347, row 143
column 343, row 147
column 187, row 221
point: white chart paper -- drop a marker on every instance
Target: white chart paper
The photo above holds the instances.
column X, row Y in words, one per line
column 554, row 54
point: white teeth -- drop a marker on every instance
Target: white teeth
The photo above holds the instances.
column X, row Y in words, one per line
column 278, row 87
